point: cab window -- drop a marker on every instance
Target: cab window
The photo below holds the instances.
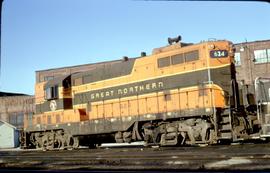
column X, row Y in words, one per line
column 51, row 92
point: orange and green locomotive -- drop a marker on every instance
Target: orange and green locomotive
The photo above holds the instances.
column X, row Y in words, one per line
column 180, row 94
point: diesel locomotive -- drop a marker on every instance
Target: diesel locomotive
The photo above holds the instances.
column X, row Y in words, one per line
column 181, row 94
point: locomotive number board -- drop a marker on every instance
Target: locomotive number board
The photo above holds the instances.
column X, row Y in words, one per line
column 218, row 53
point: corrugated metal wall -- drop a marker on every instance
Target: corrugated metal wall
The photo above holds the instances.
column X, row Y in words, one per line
column 14, row 108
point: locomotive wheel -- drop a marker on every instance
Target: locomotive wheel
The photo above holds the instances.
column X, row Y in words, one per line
column 59, row 141
column 36, row 140
column 44, row 144
column 127, row 137
column 119, row 140
column 38, row 145
column 73, row 143
column 47, row 141
column 119, row 137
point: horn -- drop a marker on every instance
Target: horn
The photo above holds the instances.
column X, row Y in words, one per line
column 176, row 40
column 143, row 54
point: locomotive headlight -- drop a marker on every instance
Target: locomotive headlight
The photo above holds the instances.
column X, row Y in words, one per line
column 212, row 46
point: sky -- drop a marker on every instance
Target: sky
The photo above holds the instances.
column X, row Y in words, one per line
column 44, row 34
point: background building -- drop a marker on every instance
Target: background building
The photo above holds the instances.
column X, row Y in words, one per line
column 14, row 107
column 252, row 60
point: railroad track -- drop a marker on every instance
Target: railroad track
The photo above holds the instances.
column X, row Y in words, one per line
column 220, row 157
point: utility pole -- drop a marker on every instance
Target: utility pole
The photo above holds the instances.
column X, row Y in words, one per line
column 1, row 2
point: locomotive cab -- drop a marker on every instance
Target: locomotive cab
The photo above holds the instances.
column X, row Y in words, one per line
column 58, row 93
column 53, row 101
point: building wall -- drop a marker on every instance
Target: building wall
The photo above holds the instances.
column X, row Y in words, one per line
column 254, row 60
column 13, row 109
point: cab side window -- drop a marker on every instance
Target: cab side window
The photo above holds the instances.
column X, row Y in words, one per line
column 51, row 92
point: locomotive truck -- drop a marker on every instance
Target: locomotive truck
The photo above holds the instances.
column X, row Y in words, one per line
column 181, row 94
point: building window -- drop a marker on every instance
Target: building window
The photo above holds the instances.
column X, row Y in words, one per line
column 237, row 59
column 48, row 93
column 16, row 119
column 30, row 118
column 13, row 118
column 262, row 56
column 20, row 117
